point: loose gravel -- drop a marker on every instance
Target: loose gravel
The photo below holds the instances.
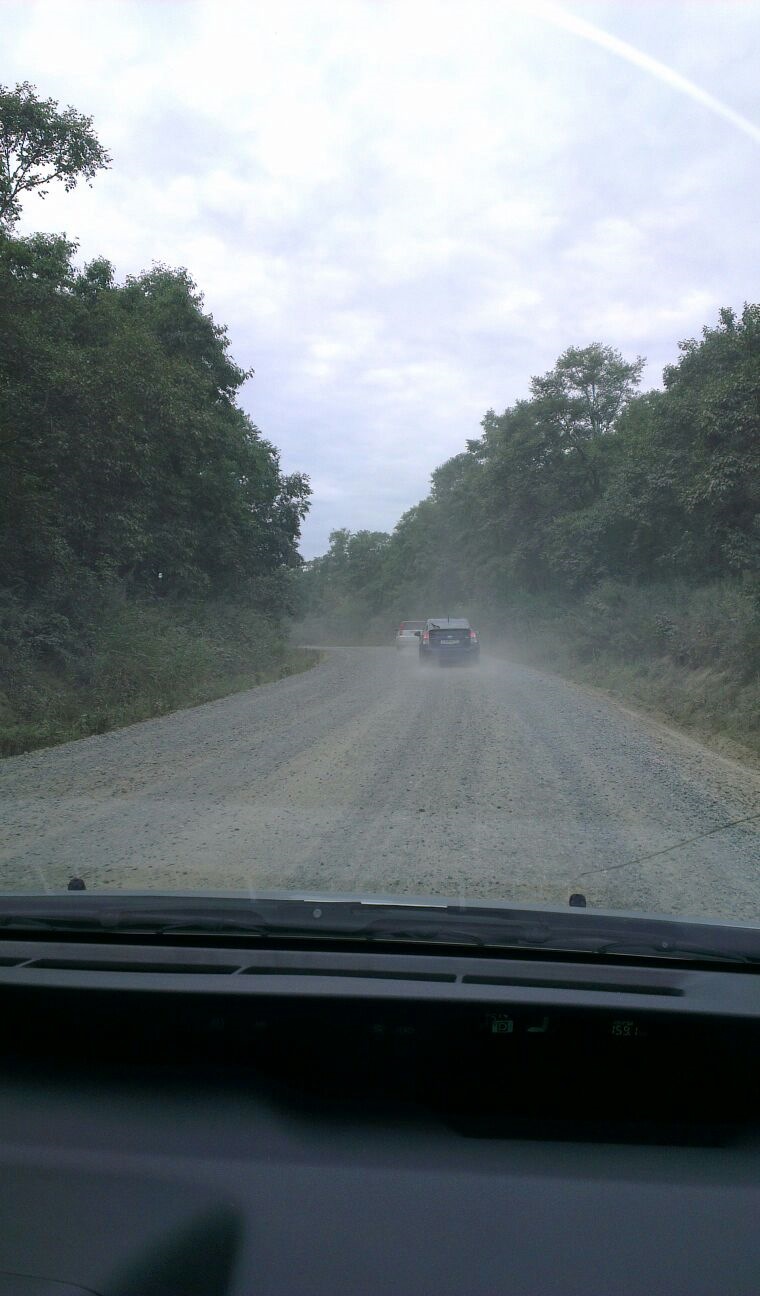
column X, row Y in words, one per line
column 370, row 774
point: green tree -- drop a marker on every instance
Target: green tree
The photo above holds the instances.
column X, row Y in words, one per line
column 580, row 399
column 125, row 461
column 39, row 144
column 711, row 433
column 587, row 483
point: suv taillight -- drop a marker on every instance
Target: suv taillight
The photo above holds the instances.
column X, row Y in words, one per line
column 473, row 636
column 426, row 637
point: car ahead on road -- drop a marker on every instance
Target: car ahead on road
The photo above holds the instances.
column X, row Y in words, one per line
column 408, row 634
column 449, row 639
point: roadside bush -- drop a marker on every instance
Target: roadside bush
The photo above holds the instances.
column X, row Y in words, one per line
column 692, row 654
column 140, row 659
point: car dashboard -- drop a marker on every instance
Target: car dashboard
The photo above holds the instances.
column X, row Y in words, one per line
column 182, row 1117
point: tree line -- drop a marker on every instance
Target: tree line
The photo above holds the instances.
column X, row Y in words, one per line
column 585, row 482
column 128, row 469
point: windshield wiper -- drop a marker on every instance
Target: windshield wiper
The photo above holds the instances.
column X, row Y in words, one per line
column 667, row 850
column 486, row 925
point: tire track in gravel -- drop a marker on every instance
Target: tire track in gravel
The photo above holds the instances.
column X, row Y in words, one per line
column 368, row 774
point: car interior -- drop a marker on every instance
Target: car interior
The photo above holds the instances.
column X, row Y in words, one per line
column 210, row 1116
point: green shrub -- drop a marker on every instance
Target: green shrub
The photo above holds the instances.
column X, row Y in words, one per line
column 138, row 659
column 692, row 654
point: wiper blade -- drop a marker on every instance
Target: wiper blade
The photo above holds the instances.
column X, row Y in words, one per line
column 128, row 915
column 675, row 846
column 433, row 922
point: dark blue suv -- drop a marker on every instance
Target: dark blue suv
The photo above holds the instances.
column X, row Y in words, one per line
column 449, row 639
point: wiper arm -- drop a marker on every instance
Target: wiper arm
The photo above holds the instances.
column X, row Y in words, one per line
column 667, row 850
column 199, row 915
column 488, row 926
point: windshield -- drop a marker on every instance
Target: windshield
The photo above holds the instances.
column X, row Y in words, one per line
column 312, row 316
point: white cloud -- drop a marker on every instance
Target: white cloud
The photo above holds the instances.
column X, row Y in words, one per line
column 403, row 210
column 632, row 324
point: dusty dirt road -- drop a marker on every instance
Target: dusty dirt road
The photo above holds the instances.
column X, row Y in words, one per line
column 369, row 774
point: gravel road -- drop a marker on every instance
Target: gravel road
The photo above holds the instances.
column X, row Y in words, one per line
column 369, row 774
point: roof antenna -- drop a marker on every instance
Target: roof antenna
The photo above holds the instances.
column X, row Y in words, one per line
column 577, row 900
column 76, row 884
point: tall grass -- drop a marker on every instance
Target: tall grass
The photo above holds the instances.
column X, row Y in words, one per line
column 690, row 654
column 141, row 660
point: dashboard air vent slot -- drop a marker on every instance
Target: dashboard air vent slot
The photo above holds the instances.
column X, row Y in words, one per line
column 603, row 987
column 349, row 972
column 124, row 965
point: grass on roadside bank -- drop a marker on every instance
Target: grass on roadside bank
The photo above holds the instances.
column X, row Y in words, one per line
column 688, row 655
column 142, row 660
column 708, row 704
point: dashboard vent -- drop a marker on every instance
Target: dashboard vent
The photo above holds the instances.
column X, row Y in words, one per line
column 349, row 972
column 603, row 987
column 124, row 965
column 168, row 967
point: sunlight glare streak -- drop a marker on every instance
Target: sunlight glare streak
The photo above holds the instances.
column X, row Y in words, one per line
column 560, row 17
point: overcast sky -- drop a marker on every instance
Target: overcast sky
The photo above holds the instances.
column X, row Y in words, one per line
column 404, row 210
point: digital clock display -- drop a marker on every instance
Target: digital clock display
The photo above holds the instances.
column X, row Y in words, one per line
column 624, row 1028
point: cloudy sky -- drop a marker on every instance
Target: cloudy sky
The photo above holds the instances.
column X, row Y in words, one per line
column 403, row 210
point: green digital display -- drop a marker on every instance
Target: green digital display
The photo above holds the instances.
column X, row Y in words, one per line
column 625, row 1028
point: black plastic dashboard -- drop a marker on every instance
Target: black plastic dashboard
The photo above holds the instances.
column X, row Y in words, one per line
column 214, row 1119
